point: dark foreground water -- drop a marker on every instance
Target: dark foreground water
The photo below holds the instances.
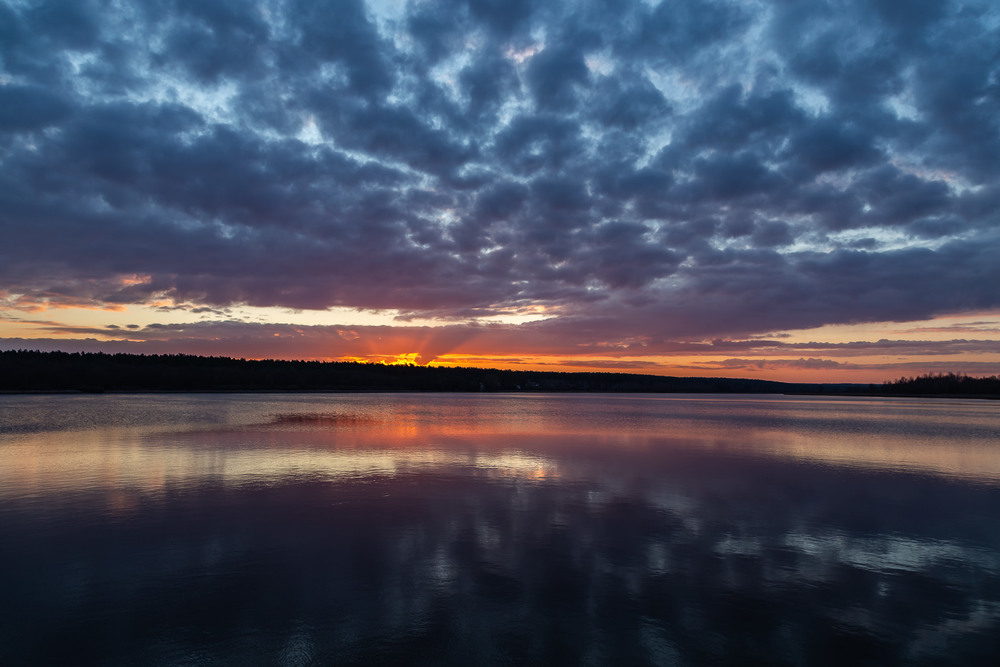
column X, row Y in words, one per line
column 487, row 529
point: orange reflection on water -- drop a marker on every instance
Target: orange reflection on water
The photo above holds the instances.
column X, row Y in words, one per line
column 532, row 438
column 129, row 469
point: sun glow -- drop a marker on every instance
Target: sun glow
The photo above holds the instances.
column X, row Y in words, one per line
column 405, row 359
column 865, row 352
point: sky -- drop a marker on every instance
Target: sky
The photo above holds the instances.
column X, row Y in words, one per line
column 804, row 191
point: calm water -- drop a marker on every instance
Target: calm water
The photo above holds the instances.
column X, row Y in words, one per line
column 491, row 529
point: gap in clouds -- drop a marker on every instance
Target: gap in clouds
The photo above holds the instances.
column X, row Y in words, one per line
column 803, row 356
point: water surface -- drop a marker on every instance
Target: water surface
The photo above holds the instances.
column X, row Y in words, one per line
column 495, row 529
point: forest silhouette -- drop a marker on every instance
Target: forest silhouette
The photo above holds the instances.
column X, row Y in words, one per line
column 34, row 371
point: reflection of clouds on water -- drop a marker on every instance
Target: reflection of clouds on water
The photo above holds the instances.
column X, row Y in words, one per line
column 128, row 467
column 561, row 551
column 320, row 420
column 888, row 553
column 653, row 565
column 954, row 438
column 373, row 542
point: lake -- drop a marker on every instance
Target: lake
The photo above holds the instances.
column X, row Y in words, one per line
column 313, row 529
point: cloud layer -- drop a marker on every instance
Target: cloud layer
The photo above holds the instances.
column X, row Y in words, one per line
column 638, row 171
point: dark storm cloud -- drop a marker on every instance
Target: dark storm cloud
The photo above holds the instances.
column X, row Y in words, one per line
column 25, row 108
column 629, row 103
column 827, row 145
column 343, row 33
column 641, row 170
column 553, row 76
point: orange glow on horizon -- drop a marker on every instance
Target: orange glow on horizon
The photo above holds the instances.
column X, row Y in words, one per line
column 858, row 353
column 404, row 359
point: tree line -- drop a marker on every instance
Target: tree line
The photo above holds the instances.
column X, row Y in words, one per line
column 944, row 384
column 25, row 370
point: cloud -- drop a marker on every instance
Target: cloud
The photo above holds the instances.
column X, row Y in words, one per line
column 642, row 172
column 26, row 108
column 811, row 363
column 580, row 343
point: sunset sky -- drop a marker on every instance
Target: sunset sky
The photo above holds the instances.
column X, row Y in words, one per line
column 781, row 190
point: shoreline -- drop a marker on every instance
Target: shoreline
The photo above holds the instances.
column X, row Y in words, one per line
column 129, row 392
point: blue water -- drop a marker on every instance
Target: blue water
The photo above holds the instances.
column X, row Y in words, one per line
column 498, row 529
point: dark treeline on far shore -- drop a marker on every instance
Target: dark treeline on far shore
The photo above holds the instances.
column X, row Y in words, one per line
column 26, row 371
column 95, row 372
column 944, row 384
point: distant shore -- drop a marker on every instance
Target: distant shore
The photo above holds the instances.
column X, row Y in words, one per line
column 168, row 392
column 33, row 372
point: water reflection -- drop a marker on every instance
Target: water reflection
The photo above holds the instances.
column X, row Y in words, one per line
column 402, row 529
